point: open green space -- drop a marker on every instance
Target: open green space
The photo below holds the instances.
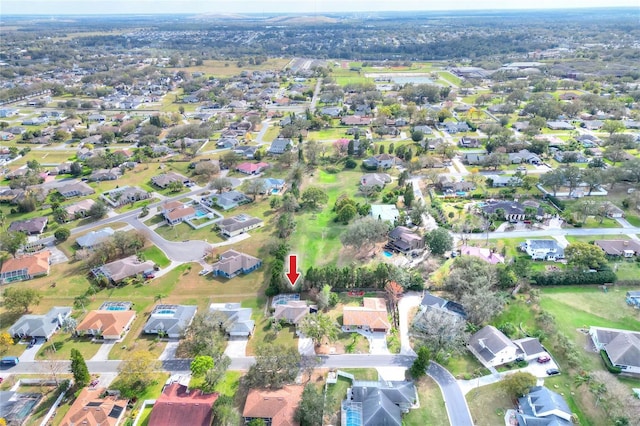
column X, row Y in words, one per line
column 465, row 366
column 432, row 409
column 488, row 405
column 156, row 255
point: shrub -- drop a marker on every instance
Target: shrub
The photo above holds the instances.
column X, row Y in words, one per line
column 575, row 278
column 607, row 363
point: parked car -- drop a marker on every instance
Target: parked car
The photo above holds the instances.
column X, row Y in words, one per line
column 553, row 372
column 544, row 358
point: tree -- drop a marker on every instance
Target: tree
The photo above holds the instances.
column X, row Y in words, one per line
column 230, row 159
column 318, row 327
column 79, row 369
column 286, row 225
column 439, row 241
column 409, row 196
column 136, row 372
column 200, row 365
column 97, row 211
column 440, row 331
column 309, row 411
column 275, row 366
column 175, row 186
column 257, row 422
column 365, row 232
column 204, row 336
column 495, row 160
column 518, row 384
column 417, row 135
column 225, row 412
column 324, row 297
column 220, row 184
column 314, row 196
column 213, row 375
column 62, row 234
column 613, row 126
column 11, row 242
column 482, row 304
column 69, row 324
column 5, row 341
column 346, row 213
column 419, row 367
column 553, row 179
column 585, row 255
column 20, row 298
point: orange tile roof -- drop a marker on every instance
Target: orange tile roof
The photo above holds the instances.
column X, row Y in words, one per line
column 35, row 264
column 180, row 212
column 111, row 323
column 90, row 410
column 278, row 405
column 179, row 406
column 373, row 314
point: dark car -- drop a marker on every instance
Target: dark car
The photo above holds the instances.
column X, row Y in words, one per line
column 553, row 372
column 544, row 358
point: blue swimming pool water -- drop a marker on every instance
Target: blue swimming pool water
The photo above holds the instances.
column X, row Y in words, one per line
column 115, row 308
column 200, row 213
column 387, row 254
column 166, row 311
column 353, row 417
column 274, row 191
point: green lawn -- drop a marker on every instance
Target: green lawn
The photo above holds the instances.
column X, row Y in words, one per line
column 432, row 409
column 156, row 255
column 518, row 313
column 633, row 219
column 465, row 366
column 592, row 222
column 488, row 405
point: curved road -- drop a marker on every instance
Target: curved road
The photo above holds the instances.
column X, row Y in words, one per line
column 457, row 408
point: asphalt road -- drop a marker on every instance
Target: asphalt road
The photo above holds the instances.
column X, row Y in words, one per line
column 454, row 400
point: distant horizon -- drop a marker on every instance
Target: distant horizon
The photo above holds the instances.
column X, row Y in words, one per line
column 294, row 7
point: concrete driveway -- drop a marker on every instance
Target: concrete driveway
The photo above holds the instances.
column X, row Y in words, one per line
column 103, row 352
column 30, row 354
column 305, row 346
column 169, row 351
column 378, row 344
column 236, row 347
column 405, row 305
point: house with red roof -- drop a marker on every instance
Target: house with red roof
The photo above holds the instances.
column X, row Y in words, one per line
column 276, row 407
column 177, row 405
column 252, row 168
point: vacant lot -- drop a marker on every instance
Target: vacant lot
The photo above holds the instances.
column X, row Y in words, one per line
column 432, row 410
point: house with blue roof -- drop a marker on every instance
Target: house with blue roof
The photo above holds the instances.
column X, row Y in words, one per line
column 543, row 407
column 238, row 319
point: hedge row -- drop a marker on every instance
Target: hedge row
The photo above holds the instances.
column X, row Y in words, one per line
column 575, row 278
column 607, row 363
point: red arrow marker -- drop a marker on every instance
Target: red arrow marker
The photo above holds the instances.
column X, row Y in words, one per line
column 293, row 273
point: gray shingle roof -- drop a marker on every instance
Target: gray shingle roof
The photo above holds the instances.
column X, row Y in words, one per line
column 172, row 319
column 94, row 237
column 40, row 325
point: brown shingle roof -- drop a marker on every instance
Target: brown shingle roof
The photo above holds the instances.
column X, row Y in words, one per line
column 111, row 323
column 373, row 314
column 36, row 264
column 278, row 405
column 179, row 406
column 90, row 410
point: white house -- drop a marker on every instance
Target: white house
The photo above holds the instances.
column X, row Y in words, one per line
column 492, row 347
column 622, row 347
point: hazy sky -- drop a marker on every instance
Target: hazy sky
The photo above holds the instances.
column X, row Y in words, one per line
column 82, row 7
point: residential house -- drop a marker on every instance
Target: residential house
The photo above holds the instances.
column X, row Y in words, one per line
column 456, row 127
column 236, row 225
column 570, row 157
column 33, row 226
column 473, row 159
column 76, row 189
column 621, row 346
column 170, row 320
column 124, row 195
column 280, row 145
column 105, row 174
column 488, row 255
column 524, row 156
column 374, row 180
column 633, row 298
column 492, row 347
column 224, row 143
column 520, row 126
column 273, row 186
column 466, row 142
column 502, row 181
column 542, row 406
column 96, row 407
column 450, row 185
column 424, row 129
column 543, row 249
column 175, row 212
column 61, row 169
column 163, row 180
column 385, row 212
column 513, row 211
column 124, row 268
column 592, row 124
column 382, row 161
column 10, row 195
column 246, row 151
column 106, row 324
column 430, row 301
column 227, row 200
column 96, row 117
column 25, row 267
column 79, row 209
column 179, row 405
column 276, row 407
column 371, row 316
column 237, row 320
column 293, row 311
column 612, row 211
column 233, row 263
column 252, row 168
column 404, row 240
column 560, row 125
column 529, row 348
column 94, row 238
column 332, row 111
column 624, row 248
column 40, row 326
column 355, row 120
column 378, row 403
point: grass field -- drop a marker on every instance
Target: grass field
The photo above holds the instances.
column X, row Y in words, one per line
column 316, row 234
column 432, row 409
column 156, row 255
column 231, row 68
column 488, row 405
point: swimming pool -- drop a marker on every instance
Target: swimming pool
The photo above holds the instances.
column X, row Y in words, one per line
column 387, row 253
column 116, row 308
column 353, row 417
column 166, row 311
column 274, row 191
